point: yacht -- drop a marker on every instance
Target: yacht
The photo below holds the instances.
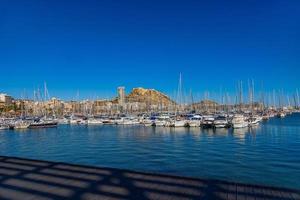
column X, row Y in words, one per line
column 208, row 121
column 254, row 120
column 63, row 121
column 4, row 127
column 281, row 114
column 161, row 120
column 21, row 124
column 82, row 122
column 126, row 121
column 221, row 122
column 239, row 121
column 109, row 121
column 180, row 123
column 195, row 121
column 265, row 117
column 148, row 122
column 74, row 120
column 94, row 121
column 43, row 123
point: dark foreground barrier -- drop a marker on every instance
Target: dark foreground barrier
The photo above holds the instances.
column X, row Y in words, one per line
column 33, row 179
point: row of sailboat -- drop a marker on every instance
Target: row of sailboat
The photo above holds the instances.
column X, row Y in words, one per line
column 27, row 123
column 234, row 120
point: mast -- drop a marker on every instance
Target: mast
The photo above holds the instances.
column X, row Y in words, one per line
column 250, row 95
column 192, row 108
column 298, row 102
column 179, row 93
column 279, row 99
column 288, row 99
column 227, row 102
column 262, row 98
column 253, row 94
column 274, row 100
column 240, row 98
column 295, row 101
column 21, row 105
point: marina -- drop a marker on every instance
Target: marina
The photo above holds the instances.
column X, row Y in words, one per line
column 150, row 100
column 217, row 120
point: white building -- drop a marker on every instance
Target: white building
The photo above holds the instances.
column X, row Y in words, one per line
column 121, row 96
column 5, row 99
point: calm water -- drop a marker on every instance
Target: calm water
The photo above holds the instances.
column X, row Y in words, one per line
column 268, row 154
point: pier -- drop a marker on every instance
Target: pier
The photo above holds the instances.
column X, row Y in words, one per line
column 34, row 179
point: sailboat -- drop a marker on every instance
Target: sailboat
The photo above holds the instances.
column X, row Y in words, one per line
column 21, row 124
column 94, row 121
column 195, row 121
column 4, row 127
column 43, row 123
column 220, row 122
column 239, row 121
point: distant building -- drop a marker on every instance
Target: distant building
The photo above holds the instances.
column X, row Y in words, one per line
column 121, row 96
column 5, row 99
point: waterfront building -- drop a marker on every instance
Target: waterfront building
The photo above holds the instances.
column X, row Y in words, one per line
column 104, row 106
column 5, row 99
column 121, row 96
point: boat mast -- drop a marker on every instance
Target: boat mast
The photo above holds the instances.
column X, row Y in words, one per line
column 298, row 102
column 179, row 93
column 240, row 95
column 274, row 100
column 288, row 99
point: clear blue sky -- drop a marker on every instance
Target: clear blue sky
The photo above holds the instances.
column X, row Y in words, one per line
column 94, row 46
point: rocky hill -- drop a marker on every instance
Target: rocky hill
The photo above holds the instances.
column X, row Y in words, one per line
column 148, row 96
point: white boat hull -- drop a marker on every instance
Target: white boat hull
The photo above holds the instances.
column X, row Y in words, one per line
column 194, row 123
column 240, row 125
column 179, row 123
column 160, row 123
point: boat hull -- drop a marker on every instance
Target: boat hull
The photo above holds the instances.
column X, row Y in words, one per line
column 240, row 125
column 43, row 125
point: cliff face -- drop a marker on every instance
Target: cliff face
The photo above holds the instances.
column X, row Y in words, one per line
column 148, row 96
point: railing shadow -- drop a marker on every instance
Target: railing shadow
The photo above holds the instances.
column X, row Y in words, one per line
column 33, row 179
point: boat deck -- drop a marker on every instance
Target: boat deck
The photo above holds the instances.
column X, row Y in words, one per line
column 34, row 179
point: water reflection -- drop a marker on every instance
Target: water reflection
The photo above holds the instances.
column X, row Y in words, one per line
column 240, row 133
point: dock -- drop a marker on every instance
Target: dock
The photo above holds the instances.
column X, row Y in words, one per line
column 23, row 179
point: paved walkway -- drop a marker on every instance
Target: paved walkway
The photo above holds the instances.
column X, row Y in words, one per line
column 33, row 179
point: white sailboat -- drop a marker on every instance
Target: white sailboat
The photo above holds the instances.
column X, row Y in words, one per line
column 239, row 121
column 94, row 121
column 4, row 127
column 180, row 123
column 21, row 124
column 195, row 121
column 254, row 120
column 208, row 121
column 220, row 122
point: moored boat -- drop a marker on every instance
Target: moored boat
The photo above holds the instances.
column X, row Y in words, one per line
column 94, row 121
column 220, row 122
column 207, row 121
column 194, row 121
column 43, row 124
column 254, row 120
column 4, row 127
column 21, row 125
column 180, row 123
column 239, row 121
column 281, row 114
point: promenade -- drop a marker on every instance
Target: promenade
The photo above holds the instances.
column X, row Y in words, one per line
column 23, row 179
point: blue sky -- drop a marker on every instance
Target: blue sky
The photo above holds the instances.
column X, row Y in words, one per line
column 94, row 46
